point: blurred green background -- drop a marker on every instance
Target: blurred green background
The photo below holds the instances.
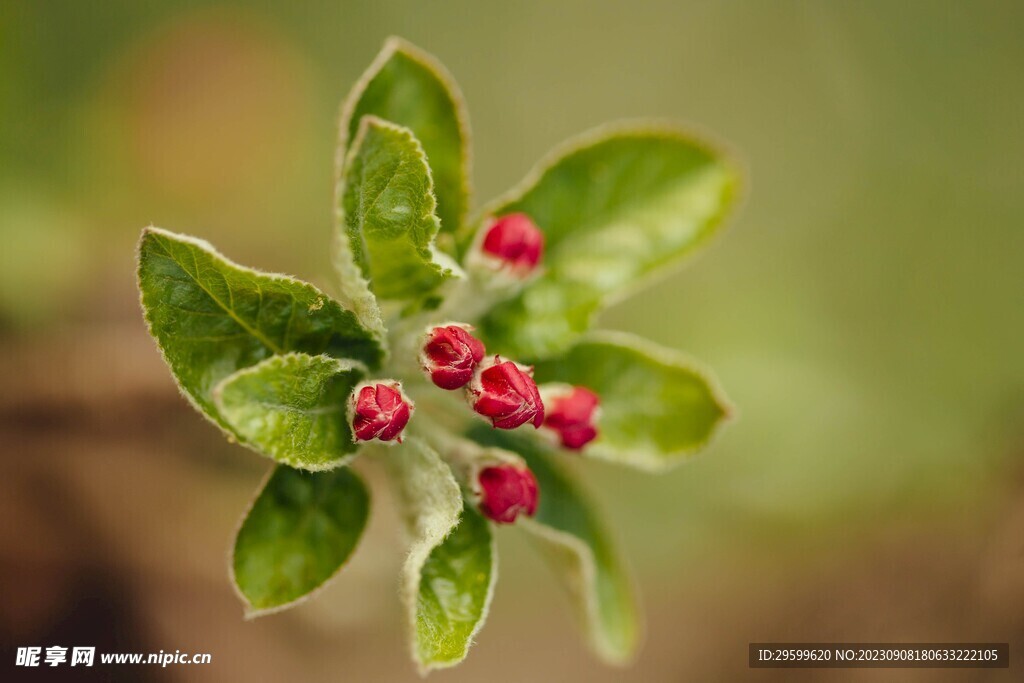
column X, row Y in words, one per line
column 865, row 312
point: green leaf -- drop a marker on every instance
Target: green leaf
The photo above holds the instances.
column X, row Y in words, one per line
column 301, row 529
column 576, row 544
column 430, row 497
column 657, row 407
column 449, row 573
column 616, row 208
column 388, row 215
column 456, row 585
column 292, row 408
column 211, row 317
column 411, row 88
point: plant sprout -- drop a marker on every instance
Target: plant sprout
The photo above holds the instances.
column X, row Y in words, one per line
column 459, row 354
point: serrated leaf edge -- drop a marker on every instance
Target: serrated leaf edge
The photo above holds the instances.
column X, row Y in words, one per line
column 444, row 265
column 394, row 45
column 203, row 244
column 280, row 359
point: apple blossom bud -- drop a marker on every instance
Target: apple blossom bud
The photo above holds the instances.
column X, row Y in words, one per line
column 515, row 242
column 506, row 393
column 379, row 411
column 572, row 413
column 506, row 491
column 450, row 355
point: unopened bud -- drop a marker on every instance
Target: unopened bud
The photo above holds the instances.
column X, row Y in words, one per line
column 572, row 412
column 514, row 242
column 379, row 411
column 450, row 355
column 506, row 393
column 506, row 491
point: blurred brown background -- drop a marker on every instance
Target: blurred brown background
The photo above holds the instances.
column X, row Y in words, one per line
column 865, row 313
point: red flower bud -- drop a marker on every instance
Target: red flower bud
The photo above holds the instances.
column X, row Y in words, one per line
column 516, row 242
column 379, row 411
column 506, row 393
column 506, row 491
column 572, row 413
column 450, row 355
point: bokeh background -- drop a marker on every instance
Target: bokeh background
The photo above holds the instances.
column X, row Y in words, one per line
column 865, row 312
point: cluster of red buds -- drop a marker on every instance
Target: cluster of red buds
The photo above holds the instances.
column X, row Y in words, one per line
column 496, row 388
column 499, row 389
